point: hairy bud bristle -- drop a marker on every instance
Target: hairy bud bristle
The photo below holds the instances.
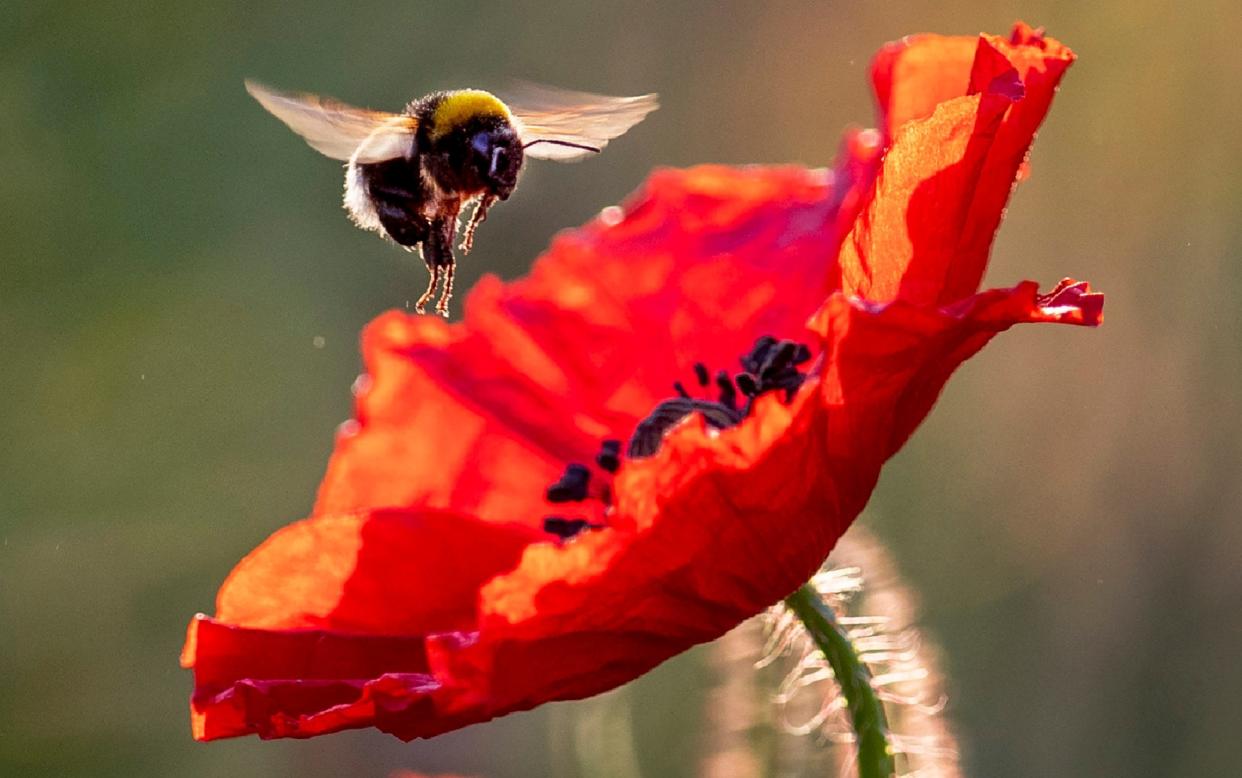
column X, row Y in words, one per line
column 860, row 584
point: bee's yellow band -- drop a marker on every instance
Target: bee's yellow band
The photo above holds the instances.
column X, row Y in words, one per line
column 457, row 108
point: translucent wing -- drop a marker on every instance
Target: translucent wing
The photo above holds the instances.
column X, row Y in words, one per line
column 338, row 130
column 564, row 125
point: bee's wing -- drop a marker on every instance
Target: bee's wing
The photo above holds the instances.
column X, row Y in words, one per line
column 569, row 125
column 338, row 130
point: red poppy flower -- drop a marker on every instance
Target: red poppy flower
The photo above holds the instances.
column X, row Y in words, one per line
column 456, row 569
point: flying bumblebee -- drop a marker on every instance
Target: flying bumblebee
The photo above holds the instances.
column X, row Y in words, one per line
column 409, row 175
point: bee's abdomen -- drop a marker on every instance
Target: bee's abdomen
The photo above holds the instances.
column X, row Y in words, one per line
column 388, row 197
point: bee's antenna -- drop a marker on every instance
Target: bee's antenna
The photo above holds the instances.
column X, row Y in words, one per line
column 582, row 146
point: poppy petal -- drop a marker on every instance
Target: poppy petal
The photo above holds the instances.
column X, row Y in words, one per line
column 386, row 572
column 915, row 74
column 322, row 627
column 297, row 683
column 905, row 241
column 1038, row 62
column 944, row 183
column 892, row 360
column 422, row 434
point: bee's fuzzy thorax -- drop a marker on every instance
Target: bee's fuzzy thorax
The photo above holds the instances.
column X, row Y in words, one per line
column 455, row 109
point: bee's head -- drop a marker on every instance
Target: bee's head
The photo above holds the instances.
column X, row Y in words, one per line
column 496, row 158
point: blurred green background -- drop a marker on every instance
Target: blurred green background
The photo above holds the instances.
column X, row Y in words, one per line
column 181, row 296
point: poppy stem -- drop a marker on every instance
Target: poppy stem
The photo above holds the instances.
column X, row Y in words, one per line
column 875, row 756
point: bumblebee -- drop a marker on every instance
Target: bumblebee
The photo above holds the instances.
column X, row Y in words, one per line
column 410, row 174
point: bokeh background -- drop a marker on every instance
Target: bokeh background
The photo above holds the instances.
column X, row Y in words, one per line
column 181, row 296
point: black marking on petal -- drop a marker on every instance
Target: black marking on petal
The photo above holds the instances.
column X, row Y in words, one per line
column 717, row 415
column 752, row 362
column 609, row 456
column 771, row 365
column 564, row 528
column 701, row 374
column 728, row 393
column 651, row 430
column 573, row 485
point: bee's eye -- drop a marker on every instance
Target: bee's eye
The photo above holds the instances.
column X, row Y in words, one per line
column 481, row 143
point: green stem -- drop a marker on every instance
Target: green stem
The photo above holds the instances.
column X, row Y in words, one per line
column 875, row 759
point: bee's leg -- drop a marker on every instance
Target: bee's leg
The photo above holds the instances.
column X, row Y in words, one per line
column 447, row 294
column 439, row 254
column 478, row 217
column 434, row 272
column 403, row 223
